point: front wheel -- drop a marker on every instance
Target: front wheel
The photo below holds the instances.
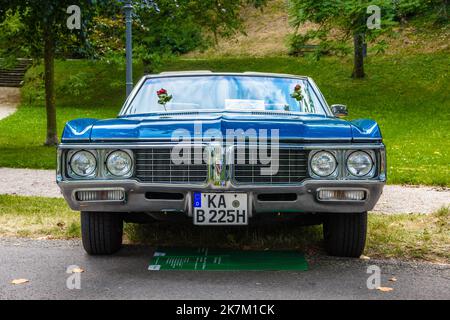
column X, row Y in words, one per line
column 101, row 232
column 345, row 234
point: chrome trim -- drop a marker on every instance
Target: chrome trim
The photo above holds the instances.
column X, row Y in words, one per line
column 209, row 186
column 306, row 196
column 232, row 164
column 369, row 139
column 382, row 173
column 61, row 174
column 349, row 140
column 100, row 154
column 207, row 164
column 59, row 159
column 168, row 144
column 321, row 97
column 77, row 139
column 216, row 164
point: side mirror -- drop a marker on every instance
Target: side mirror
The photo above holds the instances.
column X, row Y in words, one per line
column 339, row 110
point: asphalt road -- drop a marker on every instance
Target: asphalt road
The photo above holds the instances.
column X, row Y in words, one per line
column 125, row 276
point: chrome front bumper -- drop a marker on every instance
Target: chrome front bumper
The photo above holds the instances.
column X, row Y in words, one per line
column 306, row 201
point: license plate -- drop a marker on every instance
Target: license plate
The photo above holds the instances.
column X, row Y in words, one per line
column 220, row 208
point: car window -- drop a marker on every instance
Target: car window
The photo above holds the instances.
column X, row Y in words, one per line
column 224, row 92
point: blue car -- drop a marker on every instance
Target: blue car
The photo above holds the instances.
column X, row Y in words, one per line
column 221, row 149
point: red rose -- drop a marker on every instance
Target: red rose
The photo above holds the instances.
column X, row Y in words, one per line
column 161, row 92
column 297, row 88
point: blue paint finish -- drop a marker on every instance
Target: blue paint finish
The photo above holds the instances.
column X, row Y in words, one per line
column 365, row 129
column 78, row 130
column 301, row 127
column 154, row 127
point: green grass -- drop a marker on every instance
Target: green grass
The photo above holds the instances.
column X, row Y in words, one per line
column 37, row 217
column 22, row 135
column 407, row 95
column 410, row 236
column 414, row 236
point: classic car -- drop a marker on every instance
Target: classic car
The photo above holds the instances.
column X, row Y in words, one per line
column 223, row 149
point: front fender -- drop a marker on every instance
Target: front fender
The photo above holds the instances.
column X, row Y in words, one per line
column 78, row 130
column 365, row 129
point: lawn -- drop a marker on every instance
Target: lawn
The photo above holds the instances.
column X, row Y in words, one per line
column 407, row 95
column 414, row 236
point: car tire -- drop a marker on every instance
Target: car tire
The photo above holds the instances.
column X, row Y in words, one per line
column 101, row 232
column 345, row 234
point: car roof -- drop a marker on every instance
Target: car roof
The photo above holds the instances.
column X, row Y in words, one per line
column 207, row 72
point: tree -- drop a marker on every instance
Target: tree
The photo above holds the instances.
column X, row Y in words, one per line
column 165, row 27
column 45, row 33
column 349, row 17
column 180, row 26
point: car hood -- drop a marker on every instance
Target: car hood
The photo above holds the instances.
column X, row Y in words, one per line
column 165, row 127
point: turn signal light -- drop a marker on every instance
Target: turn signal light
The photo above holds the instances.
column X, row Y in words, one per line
column 341, row 195
column 100, row 195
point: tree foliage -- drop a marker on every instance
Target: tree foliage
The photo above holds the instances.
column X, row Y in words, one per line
column 338, row 21
column 166, row 27
column 39, row 29
column 43, row 33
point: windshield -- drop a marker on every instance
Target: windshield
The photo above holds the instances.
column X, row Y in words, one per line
column 224, row 92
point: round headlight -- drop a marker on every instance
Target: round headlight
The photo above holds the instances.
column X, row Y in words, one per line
column 83, row 163
column 359, row 163
column 323, row 163
column 119, row 163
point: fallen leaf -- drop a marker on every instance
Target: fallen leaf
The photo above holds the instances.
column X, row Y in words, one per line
column 48, row 237
column 77, row 270
column 61, row 224
column 393, row 279
column 363, row 257
column 385, row 289
column 19, row 281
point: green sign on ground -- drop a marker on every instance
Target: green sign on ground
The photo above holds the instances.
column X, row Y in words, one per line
column 226, row 260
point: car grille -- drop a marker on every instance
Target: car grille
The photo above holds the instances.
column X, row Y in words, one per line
column 293, row 168
column 154, row 165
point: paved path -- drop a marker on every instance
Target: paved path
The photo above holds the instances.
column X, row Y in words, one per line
column 9, row 99
column 26, row 182
column 395, row 199
column 125, row 276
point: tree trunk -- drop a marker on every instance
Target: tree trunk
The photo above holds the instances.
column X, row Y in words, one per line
column 147, row 65
column 49, row 63
column 358, row 68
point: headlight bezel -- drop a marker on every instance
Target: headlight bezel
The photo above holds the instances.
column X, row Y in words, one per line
column 72, row 173
column 341, row 171
column 332, row 175
column 108, row 171
column 101, row 172
column 370, row 174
